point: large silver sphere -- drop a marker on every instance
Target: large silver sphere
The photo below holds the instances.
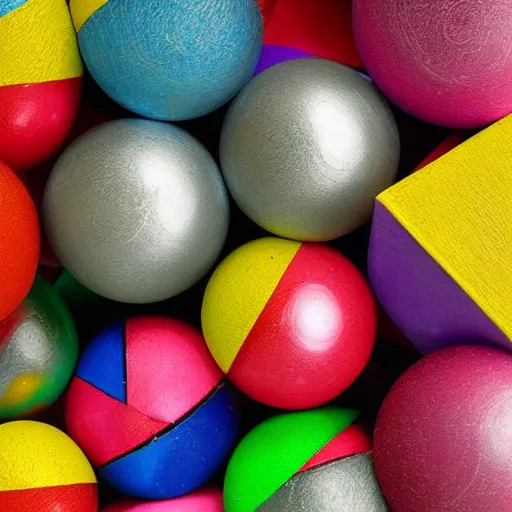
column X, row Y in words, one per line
column 136, row 210
column 306, row 147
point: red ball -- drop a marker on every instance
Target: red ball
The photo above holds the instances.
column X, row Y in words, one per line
column 19, row 241
column 443, row 437
column 35, row 120
column 292, row 324
column 446, row 62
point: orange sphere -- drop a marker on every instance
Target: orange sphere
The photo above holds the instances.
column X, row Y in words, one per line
column 19, row 241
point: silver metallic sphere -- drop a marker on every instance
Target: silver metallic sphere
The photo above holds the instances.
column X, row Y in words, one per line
column 136, row 210
column 306, row 147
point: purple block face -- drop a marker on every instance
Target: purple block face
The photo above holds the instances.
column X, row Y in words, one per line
column 272, row 55
column 425, row 303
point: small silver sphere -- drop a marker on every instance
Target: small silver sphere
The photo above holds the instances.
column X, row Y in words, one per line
column 136, row 210
column 306, row 147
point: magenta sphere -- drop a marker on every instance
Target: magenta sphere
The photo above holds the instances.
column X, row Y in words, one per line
column 445, row 61
column 443, row 438
column 207, row 499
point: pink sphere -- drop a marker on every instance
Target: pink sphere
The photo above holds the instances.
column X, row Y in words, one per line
column 443, row 438
column 207, row 499
column 447, row 62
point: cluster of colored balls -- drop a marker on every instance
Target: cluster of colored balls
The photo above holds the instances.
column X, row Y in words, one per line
column 150, row 409
column 305, row 98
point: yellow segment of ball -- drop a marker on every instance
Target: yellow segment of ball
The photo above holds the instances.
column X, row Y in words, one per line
column 82, row 10
column 238, row 291
column 38, row 44
column 21, row 389
column 34, row 454
column 459, row 210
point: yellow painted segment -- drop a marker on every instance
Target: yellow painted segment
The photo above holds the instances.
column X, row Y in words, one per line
column 36, row 455
column 459, row 209
column 238, row 291
column 38, row 44
column 21, row 389
column 82, row 10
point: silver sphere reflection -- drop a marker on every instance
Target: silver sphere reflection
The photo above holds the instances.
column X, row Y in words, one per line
column 306, row 147
column 136, row 210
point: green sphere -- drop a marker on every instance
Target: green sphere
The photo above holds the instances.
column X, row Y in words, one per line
column 38, row 353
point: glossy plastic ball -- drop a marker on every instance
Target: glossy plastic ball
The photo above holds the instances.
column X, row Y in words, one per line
column 304, row 461
column 291, row 324
column 445, row 62
column 150, row 409
column 40, row 80
column 306, row 146
column 443, row 438
column 136, row 210
column 170, row 60
column 42, row 469
column 38, row 353
column 19, row 241
column 207, row 499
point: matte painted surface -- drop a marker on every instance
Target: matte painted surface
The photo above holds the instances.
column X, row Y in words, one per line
column 207, row 499
column 445, row 62
column 19, row 241
column 450, row 418
column 271, row 55
column 136, row 210
column 347, row 485
column 164, row 61
column 180, row 459
column 38, row 352
column 106, row 350
column 179, row 422
column 38, row 455
column 320, row 319
column 425, row 303
column 320, row 27
column 275, row 450
column 306, row 147
column 63, row 498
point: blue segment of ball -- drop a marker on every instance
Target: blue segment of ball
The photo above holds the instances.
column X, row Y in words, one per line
column 185, row 457
column 107, row 347
column 175, row 59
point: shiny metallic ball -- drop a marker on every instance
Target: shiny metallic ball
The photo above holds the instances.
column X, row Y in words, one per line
column 38, row 353
column 306, row 147
column 136, row 210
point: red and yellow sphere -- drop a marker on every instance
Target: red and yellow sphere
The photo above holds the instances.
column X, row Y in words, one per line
column 19, row 241
column 43, row 470
column 40, row 79
column 291, row 324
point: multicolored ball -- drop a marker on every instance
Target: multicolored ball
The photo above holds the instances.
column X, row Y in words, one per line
column 150, row 410
column 171, row 61
column 299, row 462
column 305, row 148
column 207, row 499
column 19, row 241
column 42, row 469
column 296, row 29
column 444, row 62
column 38, row 353
column 443, row 437
column 291, row 324
column 40, row 79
